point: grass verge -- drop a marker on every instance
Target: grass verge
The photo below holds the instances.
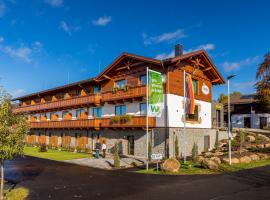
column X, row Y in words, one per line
column 20, row 193
column 54, row 154
column 190, row 168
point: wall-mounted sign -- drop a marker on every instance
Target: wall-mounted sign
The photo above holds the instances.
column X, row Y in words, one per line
column 205, row 89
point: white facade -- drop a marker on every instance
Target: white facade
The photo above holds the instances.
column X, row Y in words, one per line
column 255, row 120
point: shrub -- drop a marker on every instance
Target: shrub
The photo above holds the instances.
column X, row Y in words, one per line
column 194, row 152
column 43, row 148
column 125, row 118
column 242, row 139
column 116, row 157
column 176, row 146
column 116, row 119
column 149, row 151
column 217, row 140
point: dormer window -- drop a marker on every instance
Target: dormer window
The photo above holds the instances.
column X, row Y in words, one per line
column 97, row 89
column 120, row 84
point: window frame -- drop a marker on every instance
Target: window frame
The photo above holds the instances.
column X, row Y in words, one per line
column 141, row 109
column 196, row 92
column 196, row 115
column 121, row 86
column 99, row 111
column 143, row 75
column 99, row 89
column 120, row 106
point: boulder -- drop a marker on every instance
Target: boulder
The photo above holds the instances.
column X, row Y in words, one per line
column 263, row 155
column 218, row 153
column 216, row 160
column 208, row 154
column 260, row 146
column 244, row 159
column 226, row 160
column 171, row 165
column 209, row 164
column 267, row 145
column 251, row 138
column 200, row 159
column 254, row 157
column 264, row 137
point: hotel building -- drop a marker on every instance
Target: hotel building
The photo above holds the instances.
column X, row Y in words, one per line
column 112, row 107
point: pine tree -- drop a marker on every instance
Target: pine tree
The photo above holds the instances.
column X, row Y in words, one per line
column 194, row 152
column 116, row 157
column 176, row 146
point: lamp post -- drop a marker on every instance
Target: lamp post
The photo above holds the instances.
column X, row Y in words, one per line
column 229, row 119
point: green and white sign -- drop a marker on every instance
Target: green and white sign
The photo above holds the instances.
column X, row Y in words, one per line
column 156, row 95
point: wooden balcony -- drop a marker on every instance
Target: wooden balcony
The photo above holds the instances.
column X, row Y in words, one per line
column 134, row 122
column 63, row 103
column 130, row 93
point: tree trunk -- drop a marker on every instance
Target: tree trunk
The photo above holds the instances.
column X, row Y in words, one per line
column 2, row 181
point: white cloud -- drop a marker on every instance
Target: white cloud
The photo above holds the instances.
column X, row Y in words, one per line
column 18, row 92
column 1, row 39
column 23, row 53
column 54, row 3
column 164, row 37
column 68, row 28
column 2, row 9
column 244, row 85
column 232, row 66
column 102, row 21
column 37, row 46
column 207, row 47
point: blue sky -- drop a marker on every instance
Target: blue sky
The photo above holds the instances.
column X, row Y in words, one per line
column 47, row 43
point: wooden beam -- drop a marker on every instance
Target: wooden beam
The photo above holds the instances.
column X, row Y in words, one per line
column 107, row 77
column 207, row 69
column 215, row 80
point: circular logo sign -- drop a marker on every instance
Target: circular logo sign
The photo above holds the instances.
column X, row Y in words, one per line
column 205, row 89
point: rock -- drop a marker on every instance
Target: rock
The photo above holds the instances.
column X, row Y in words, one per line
column 218, row 153
column 245, row 159
column 171, row 165
column 226, row 160
column 251, row 138
column 200, row 159
column 254, row 157
column 216, row 160
column 260, row 146
column 267, row 145
column 264, row 137
column 208, row 154
column 209, row 164
column 263, row 155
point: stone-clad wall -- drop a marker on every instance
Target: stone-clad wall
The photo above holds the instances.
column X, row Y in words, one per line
column 157, row 137
column 192, row 136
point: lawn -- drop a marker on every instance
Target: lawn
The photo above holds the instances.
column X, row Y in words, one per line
column 54, row 154
column 189, row 168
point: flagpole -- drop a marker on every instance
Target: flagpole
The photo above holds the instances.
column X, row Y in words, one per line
column 147, row 104
column 185, row 151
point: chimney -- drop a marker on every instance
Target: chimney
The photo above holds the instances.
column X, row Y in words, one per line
column 178, row 50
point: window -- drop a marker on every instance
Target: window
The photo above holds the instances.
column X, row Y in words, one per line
column 143, row 79
column 195, row 86
column 120, row 110
column 96, row 89
column 143, row 108
column 79, row 113
column 120, row 84
column 97, row 112
column 195, row 116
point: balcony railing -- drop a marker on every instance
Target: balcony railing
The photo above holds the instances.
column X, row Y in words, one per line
column 134, row 122
column 63, row 103
column 132, row 92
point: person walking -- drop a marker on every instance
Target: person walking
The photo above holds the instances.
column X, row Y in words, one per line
column 104, row 147
column 97, row 149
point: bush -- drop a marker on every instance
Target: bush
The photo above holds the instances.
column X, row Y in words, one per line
column 149, row 151
column 43, row 148
column 116, row 119
column 217, row 140
column 194, row 153
column 116, row 158
column 176, row 146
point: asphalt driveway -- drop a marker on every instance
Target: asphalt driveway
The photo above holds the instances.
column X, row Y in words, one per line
column 57, row 180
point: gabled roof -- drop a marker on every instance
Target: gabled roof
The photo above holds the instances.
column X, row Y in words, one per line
column 201, row 53
column 127, row 55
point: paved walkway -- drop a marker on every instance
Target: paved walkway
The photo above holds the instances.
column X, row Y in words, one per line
column 107, row 163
